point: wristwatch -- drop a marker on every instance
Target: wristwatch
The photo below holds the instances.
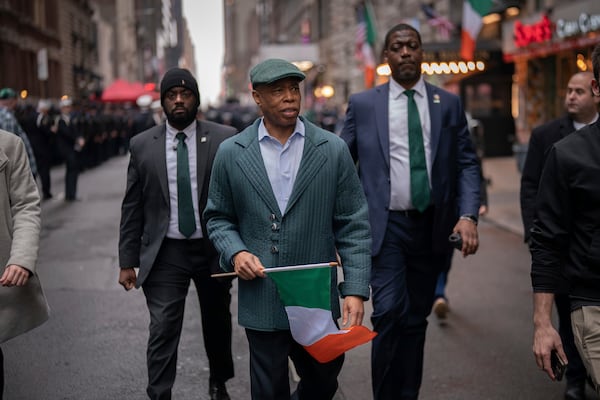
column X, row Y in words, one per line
column 470, row 217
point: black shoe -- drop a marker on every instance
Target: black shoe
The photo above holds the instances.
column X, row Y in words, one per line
column 575, row 391
column 217, row 391
column 47, row 196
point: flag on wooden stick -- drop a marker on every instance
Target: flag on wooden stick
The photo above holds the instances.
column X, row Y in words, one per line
column 305, row 294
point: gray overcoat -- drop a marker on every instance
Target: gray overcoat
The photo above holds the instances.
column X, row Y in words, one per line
column 25, row 307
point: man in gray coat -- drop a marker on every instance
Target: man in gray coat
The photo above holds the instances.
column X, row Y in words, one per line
column 22, row 302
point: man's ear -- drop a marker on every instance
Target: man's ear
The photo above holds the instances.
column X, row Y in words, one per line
column 595, row 88
column 256, row 97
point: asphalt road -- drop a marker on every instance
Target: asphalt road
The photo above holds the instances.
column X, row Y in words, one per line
column 93, row 347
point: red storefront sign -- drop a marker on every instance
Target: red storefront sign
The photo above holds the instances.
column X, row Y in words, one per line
column 538, row 32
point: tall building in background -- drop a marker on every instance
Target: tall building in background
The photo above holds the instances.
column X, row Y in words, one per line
column 48, row 47
column 77, row 48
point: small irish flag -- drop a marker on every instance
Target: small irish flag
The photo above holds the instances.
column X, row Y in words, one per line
column 305, row 294
column 473, row 13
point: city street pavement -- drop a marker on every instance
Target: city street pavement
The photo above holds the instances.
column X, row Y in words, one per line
column 503, row 192
column 93, row 346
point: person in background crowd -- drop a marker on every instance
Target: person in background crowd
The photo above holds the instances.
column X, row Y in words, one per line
column 421, row 178
column 285, row 192
column 70, row 144
column 144, row 119
column 582, row 109
column 157, row 112
column 8, row 122
column 22, row 302
column 38, row 126
column 163, row 233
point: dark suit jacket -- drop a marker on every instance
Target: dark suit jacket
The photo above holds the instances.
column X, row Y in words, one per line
column 542, row 139
column 455, row 174
column 145, row 210
column 67, row 134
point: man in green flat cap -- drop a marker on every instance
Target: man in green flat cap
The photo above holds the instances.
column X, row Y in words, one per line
column 285, row 192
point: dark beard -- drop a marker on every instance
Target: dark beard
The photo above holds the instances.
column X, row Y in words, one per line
column 181, row 121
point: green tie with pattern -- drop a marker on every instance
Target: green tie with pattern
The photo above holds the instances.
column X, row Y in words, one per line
column 185, row 206
column 419, row 182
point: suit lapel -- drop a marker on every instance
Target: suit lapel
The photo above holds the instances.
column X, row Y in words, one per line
column 252, row 166
column 311, row 164
column 435, row 116
column 381, row 107
column 566, row 127
column 160, row 157
column 202, row 148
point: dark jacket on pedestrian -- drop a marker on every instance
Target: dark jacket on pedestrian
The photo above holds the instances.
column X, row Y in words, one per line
column 542, row 139
column 566, row 233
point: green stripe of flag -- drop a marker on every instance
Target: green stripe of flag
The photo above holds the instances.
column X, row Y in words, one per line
column 306, row 288
column 481, row 7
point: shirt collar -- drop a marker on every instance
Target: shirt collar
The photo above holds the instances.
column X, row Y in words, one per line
column 579, row 125
column 396, row 90
column 189, row 131
column 262, row 129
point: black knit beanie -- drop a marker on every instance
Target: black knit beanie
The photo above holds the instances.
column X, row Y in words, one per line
column 178, row 77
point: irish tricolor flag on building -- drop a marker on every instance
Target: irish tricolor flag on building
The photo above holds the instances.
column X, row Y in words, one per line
column 473, row 13
column 305, row 293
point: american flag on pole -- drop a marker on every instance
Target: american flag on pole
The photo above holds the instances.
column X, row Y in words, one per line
column 442, row 24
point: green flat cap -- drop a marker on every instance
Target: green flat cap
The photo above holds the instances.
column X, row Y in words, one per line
column 7, row 93
column 272, row 70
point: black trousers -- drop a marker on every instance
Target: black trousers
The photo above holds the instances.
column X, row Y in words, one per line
column 71, row 174
column 166, row 288
column 269, row 374
column 403, row 280
column 43, row 167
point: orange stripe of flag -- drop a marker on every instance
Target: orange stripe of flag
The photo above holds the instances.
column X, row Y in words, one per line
column 334, row 345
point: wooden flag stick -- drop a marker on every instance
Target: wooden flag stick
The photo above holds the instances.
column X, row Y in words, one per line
column 285, row 268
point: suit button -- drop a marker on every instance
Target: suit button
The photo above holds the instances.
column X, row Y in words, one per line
column 274, row 226
column 274, row 249
column 272, row 217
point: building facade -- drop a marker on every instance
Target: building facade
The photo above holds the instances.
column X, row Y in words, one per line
column 547, row 45
column 76, row 48
column 324, row 39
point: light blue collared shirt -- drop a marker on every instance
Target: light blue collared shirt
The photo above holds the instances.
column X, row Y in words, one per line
column 282, row 161
column 171, row 152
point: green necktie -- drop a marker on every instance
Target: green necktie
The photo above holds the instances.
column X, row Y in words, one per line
column 185, row 206
column 419, row 182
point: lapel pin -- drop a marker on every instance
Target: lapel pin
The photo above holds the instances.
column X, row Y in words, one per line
column 203, row 139
column 436, row 98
